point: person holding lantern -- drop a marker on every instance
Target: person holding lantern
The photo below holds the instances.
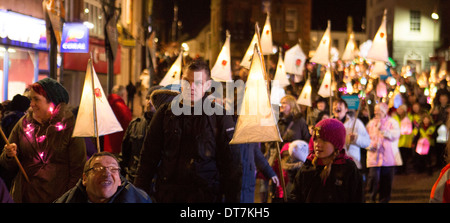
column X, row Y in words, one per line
column 383, row 154
column 406, row 136
column 42, row 141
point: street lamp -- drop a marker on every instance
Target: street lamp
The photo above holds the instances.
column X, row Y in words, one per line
column 435, row 16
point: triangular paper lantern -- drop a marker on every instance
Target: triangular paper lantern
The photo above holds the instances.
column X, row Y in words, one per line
column 351, row 50
column 106, row 120
column 173, row 75
column 276, row 94
column 379, row 50
column 280, row 78
column 266, row 38
column 325, row 88
column 222, row 68
column 245, row 62
column 256, row 121
column 305, row 96
column 294, row 60
column 378, row 69
column 322, row 54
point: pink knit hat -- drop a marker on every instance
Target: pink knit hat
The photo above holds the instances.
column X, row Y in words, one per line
column 331, row 130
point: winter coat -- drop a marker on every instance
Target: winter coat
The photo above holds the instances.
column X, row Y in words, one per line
column 362, row 140
column 51, row 157
column 343, row 184
column 126, row 193
column 191, row 157
column 252, row 160
column 440, row 193
column 424, row 132
column 4, row 193
column 123, row 114
column 293, row 128
column 132, row 145
column 384, row 134
column 405, row 140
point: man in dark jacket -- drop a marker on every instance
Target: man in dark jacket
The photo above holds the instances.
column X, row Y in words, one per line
column 189, row 152
column 102, row 183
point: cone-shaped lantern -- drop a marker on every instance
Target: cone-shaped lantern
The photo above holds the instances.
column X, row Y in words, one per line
column 322, row 54
column 173, row 75
column 379, row 50
column 256, row 121
column 222, row 68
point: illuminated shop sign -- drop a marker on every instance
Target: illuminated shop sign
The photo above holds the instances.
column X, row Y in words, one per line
column 75, row 38
column 26, row 31
column 21, row 30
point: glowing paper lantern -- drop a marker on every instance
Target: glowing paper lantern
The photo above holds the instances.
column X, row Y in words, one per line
column 222, row 68
column 173, row 75
column 381, row 89
column 405, row 126
column 322, row 55
column 423, row 146
column 266, row 38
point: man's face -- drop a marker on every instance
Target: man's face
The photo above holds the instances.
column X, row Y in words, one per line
column 103, row 179
column 194, row 85
column 339, row 110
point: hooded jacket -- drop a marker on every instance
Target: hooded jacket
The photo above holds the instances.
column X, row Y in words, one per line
column 126, row 193
column 52, row 159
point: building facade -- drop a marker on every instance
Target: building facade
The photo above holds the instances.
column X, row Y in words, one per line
column 411, row 32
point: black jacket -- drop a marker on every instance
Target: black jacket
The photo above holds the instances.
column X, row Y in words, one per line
column 191, row 158
column 293, row 128
column 343, row 185
column 132, row 145
column 126, row 193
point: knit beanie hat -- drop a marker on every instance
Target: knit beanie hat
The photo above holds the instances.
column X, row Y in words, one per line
column 56, row 93
column 164, row 95
column 331, row 130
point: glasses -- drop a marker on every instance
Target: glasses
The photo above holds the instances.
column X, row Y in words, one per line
column 98, row 169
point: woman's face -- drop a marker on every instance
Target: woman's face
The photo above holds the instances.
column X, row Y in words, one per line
column 42, row 109
column 426, row 121
column 322, row 148
column 378, row 113
column 285, row 107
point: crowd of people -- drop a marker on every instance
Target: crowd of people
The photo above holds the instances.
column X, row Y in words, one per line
column 329, row 152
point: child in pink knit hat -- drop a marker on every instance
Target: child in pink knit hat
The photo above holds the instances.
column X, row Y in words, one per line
column 328, row 174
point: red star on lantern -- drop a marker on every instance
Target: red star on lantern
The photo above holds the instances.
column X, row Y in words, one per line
column 267, row 32
column 97, row 92
column 326, row 85
column 381, row 35
column 298, row 62
column 224, row 62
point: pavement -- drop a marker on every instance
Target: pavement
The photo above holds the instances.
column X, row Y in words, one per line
column 413, row 187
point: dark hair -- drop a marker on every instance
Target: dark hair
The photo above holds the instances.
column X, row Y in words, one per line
column 340, row 100
column 198, row 65
column 87, row 165
column 36, row 87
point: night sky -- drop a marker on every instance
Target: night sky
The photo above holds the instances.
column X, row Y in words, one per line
column 337, row 11
column 195, row 13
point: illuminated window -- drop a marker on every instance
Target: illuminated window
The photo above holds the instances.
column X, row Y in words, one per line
column 414, row 20
column 93, row 14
